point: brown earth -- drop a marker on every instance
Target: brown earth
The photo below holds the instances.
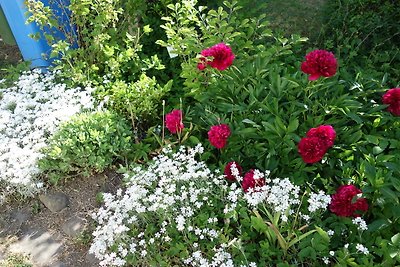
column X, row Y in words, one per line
column 20, row 219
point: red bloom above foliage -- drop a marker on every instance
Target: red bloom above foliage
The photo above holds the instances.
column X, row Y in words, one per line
column 222, row 57
column 218, row 134
column 324, row 132
column 202, row 65
column 392, row 98
column 312, row 149
column 249, row 181
column 228, row 171
column 346, row 203
column 173, row 121
column 319, row 63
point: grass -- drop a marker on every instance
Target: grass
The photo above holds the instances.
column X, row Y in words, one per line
column 16, row 260
column 296, row 16
column 287, row 17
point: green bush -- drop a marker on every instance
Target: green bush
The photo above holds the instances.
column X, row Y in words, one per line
column 106, row 51
column 270, row 104
column 364, row 33
column 89, row 142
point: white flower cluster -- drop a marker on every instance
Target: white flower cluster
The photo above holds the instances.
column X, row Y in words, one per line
column 360, row 223
column 279, row 195
column 221, row 259
column 360, row 248
column 235, row 172
column 30, row 112
column 319, row 201
column 173, row 187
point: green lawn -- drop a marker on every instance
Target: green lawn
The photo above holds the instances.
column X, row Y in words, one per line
column 296, row 16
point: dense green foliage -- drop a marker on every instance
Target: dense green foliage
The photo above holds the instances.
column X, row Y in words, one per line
column 105, row 50
column 364, row 33
column 88, row 143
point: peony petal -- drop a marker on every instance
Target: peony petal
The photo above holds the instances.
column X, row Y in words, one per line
column 313, row 77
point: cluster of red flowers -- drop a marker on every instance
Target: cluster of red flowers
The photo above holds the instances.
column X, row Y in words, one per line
column 219, row 56
column 249, row 179
column 346, row 202
column 319, row 63
column 392, row 98
column 318, row 140
column 218, row 135
column 173, row 121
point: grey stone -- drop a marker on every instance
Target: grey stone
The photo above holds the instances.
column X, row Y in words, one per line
column 55, row 201
column 39, row 244
column 74, row 226
column 20, row 216
column 57, row 264
column 91, row 260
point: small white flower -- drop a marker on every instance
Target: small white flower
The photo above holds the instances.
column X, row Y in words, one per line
column 362, row 249
column 319, row 201
column 360, row 223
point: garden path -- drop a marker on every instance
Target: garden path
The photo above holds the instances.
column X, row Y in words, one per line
column 54, row 239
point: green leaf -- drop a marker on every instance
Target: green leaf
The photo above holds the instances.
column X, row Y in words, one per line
column 372, row 139
column 390, row 194
column 396, row 239
column 377, row 150
column 258, row 224
column 378, row 225
column 293, row 125
column 297, row 239
column 323, row 234
column 307, row 252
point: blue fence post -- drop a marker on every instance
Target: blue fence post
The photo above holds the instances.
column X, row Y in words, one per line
column 35, row 51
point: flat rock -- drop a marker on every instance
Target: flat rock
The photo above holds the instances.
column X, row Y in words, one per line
column 91, row 260
column 58, row 264
column 55, row 201
column 74, row 226
column 20, row 216
column 39, row 244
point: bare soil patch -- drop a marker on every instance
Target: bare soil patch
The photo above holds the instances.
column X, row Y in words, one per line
column 32, row 219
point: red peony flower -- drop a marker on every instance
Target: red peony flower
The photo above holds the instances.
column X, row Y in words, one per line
column 202, row 64
column 250, row 182
column 324, row 132
column 312, row 149
column 173, row 121
column 222, row 57
column 228, row 171
column 319, row 63
column 346, row 203
column 392, row 98
column 218, row 134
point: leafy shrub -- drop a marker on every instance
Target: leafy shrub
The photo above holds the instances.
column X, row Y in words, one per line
column 270, row 105
column 105, row 51
column 89, row 142
column 364, row 33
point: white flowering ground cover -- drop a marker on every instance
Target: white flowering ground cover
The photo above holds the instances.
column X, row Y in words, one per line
column 177, row 212
column 30, row 112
